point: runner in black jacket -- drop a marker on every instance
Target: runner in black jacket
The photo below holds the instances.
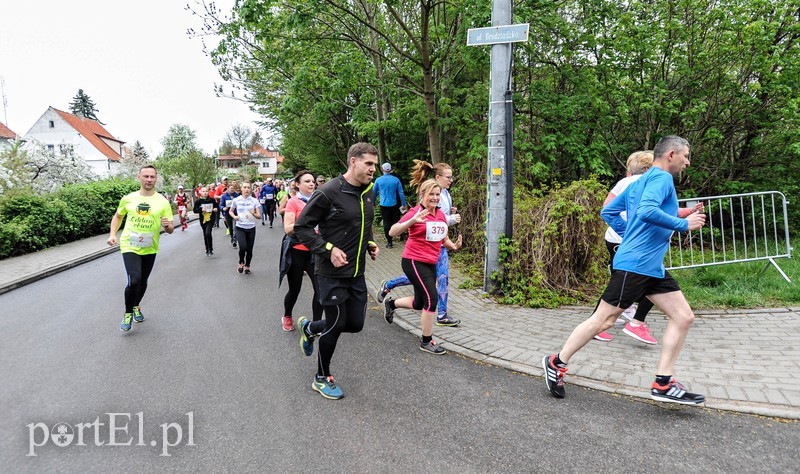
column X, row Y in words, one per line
column 342, row 209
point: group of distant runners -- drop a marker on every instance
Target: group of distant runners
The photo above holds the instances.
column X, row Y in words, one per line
column 328, row 236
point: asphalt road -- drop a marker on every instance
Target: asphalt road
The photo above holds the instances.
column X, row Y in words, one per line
column 211, row 358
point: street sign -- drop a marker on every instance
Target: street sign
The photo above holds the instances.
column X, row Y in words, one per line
column 497, row 34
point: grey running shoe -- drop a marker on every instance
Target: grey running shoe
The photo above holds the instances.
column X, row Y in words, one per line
column 447, row 321
column 382, row 292
column 388, row 312
column 432, row 348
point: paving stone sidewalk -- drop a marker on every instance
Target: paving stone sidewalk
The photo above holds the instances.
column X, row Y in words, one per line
column 741, row 360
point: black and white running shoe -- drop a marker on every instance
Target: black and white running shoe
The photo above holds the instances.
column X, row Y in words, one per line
column 675, row 392
column 554, row 376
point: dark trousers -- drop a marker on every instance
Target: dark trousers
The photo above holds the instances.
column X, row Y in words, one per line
column 347, row 316
column 138, row 268
column 302, row 262
column 268, row 211
column 207, row 226
column 229, row 225
column 390, row 215
column 246, row 238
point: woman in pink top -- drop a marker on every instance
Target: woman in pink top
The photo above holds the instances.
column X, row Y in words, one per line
column 302, row 260
column 427, row 233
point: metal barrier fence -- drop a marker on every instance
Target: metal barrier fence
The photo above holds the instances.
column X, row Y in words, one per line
column 739, row 228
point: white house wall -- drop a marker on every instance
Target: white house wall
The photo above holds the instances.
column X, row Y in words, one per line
column 62, row 133
column 115, row 145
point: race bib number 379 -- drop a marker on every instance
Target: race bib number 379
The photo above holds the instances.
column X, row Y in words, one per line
column 435, row 231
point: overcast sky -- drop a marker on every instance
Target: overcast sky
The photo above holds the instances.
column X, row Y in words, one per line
column 134, row 59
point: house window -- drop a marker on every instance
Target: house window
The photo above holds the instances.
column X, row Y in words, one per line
column 52, row 124
column 51, row 147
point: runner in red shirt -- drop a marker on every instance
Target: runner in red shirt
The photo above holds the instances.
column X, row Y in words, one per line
column 182, row 202
column 427, row 233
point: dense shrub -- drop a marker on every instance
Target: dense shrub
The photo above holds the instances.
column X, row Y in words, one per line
column 557, row 254
column 31, row 222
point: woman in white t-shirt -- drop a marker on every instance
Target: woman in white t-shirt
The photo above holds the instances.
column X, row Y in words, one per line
column 245, row 211
column 637, row 164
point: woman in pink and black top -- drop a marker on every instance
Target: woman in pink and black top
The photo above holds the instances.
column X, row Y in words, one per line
column 302, row 260
column 427, row 233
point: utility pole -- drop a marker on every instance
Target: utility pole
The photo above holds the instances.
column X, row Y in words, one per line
column 497, row 178
column 499, row 182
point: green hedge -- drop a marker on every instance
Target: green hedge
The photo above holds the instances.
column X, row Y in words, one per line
column 31, row 222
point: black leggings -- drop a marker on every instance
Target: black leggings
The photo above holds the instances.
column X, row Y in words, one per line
column 423, row 277
column 302, row 262
column 246, row 238
column 138, row 268
column 209, row 241
column 645, row 305
column 347, row 316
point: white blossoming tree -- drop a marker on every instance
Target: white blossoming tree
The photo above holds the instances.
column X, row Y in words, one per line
column 36, row 168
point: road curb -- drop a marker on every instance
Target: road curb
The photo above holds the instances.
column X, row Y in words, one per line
column 26, row 280
column 57, row 269
column 749, row 408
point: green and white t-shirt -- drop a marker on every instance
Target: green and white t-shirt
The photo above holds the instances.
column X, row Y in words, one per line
column 143, row 224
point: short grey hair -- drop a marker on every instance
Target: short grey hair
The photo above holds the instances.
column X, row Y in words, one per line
column 670, row 142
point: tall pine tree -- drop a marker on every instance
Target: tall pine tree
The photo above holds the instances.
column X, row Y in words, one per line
column 83, row 106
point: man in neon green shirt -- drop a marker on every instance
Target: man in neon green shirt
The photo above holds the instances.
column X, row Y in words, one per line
column 147, row 213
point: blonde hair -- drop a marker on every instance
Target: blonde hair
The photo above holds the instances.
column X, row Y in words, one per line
column 425, row 188
column 423, row 170
column 639, row 162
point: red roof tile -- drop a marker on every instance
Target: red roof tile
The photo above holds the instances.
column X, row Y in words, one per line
column 6, row 132
column 92, row 131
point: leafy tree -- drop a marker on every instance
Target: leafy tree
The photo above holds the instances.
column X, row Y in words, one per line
column 180, row 141
column 226, row 148
column 133, row 158
column 353, row 59
column 139, row 152
column 256, row 140
column 182, row 162
column 598, row 80
column 83, row 106
column 188, row 169
column 239, row 136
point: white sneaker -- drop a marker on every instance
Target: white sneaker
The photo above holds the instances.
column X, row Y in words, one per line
column 629, row 313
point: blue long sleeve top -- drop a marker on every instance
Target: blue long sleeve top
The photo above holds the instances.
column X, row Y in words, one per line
column 651, row 204
column 389, row 189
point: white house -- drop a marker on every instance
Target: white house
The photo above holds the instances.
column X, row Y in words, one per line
column 266, row 161
column 89, row 139
column 7, row 137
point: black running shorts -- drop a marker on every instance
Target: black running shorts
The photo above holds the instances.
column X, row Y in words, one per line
column 626, row 288
column 336, row 291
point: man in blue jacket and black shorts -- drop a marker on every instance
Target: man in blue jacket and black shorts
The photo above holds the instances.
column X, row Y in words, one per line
column 651, row 204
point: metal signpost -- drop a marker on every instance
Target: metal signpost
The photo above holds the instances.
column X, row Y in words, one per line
column 499, row 187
